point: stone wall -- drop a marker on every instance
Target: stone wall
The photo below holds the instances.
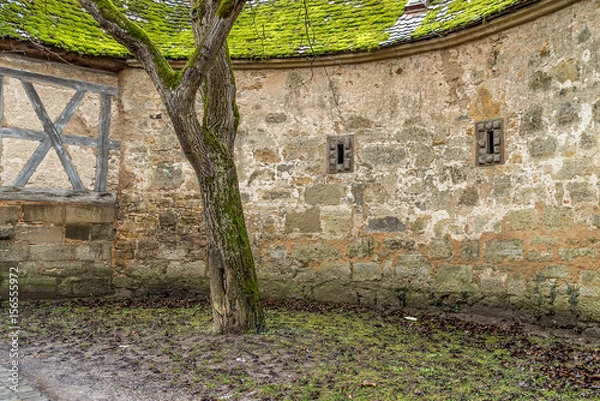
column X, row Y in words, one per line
column 59, row 249
column 416, row 223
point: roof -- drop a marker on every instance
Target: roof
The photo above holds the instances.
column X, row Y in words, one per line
column 265, row 29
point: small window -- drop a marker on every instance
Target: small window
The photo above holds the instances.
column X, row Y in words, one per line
column 490, row 142
column 340, row 154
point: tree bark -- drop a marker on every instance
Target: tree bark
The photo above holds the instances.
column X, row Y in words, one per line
column 208, row 146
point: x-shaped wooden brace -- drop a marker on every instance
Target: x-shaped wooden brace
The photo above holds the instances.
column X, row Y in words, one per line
column 53, row 139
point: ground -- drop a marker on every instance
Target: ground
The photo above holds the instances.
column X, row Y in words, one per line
column 162, row 349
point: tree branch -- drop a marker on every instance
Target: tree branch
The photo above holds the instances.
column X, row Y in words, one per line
column 135, row 40
column 211, row 42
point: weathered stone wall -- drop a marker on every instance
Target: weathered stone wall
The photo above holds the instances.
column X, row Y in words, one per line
column 59, row 249
column 416, row 223
column 159, row 248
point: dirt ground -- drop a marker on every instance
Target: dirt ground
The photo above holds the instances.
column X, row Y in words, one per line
column 160, row 350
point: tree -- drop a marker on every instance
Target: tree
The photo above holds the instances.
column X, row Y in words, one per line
column 208, row 144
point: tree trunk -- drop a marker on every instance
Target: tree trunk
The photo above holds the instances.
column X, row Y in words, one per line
column 209, row 148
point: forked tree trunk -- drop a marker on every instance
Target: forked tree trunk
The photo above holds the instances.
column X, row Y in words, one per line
column 209, row 148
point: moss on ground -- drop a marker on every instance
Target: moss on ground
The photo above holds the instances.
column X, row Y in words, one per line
column 310, row 352
column 265, row 29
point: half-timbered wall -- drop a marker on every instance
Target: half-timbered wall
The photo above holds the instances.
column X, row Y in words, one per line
column 58, row 178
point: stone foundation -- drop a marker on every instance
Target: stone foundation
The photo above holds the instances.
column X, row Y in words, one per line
column 60, row 249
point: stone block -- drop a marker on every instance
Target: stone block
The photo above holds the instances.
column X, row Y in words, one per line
column 36, row 235
column 304, row 149
column 79, row 232
column 542, row 147
column 573, row 168
column 14, row 251
column 38, row 288
column 361, row 248
column 109, row 214
column 366, row 272
column 87, row 287
column 404, row 244
column 544, row 240
column 103, row 232
column 567, row 70
column 276, row 195
column 165, row 176
column 469, row 197
column 540, row 81
column 568, row 254
column 589, row 308
column 62, row 268
column 9, row 215
column 469, row 251
column 523, row 219
column 338, row 272
column 554, row 271
column 388, row 224
column 172, row 252
column 503, row 250
column 26, row 269
column 319, row 251
column 568, row 113
column 187, row 270
column 532, row 121
column 453, row 279
column 582, row 192
column 276, row 118
column 327, row 194
column 304, row 222
column 89, row 252
column 539, row 256
column 589, row 281
column 266, row 156
column 356, row 122
column 386, row 155
column 84, row 214
column 332, row 292
column 168, row 219
column 51, row 252
column 441, row 249
column 554, row 218
column 493, row 284
column 84, row 287
column 412, row 267
column 336, row 225
column 515, row 285
column 7, row 232
column 44, row 213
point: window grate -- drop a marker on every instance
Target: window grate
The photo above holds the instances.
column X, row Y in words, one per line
column 490, row 142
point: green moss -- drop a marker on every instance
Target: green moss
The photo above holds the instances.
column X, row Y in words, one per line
column 225, row 8
column 266, row 29
column 460, row 13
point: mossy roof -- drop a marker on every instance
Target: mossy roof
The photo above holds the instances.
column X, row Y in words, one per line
column 265, row 29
